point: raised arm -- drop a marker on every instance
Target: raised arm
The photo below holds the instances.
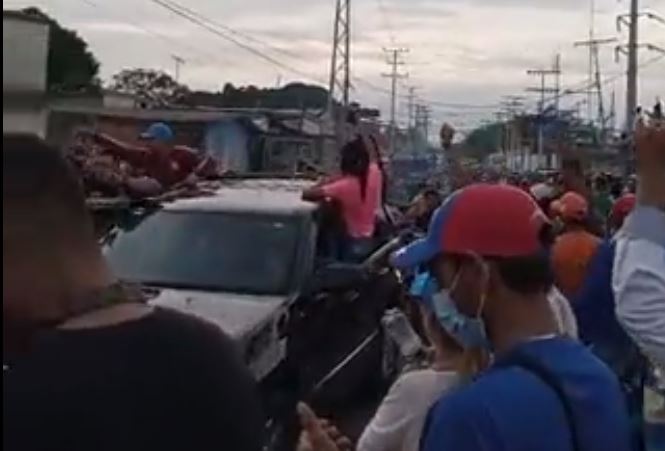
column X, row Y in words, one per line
column 125, row 151
column 639, row 265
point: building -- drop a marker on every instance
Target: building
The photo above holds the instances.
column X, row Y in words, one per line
column 25, row 41
column 280, row 141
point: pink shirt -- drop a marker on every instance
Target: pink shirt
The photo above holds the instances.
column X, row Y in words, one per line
column 359, row 214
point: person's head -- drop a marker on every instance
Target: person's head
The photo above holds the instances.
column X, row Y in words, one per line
column 432, row 199
column 631, row 185
column 543, row 194
column 446, row 349
column 601, row 184
column 572, row 174
column 573, row 210
column 50, row 252
column 616, row 188
column 158, row 136
column 486, row 248
column 620, row 210
column 354, row 161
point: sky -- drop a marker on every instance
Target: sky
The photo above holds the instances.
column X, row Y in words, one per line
column 469, row 52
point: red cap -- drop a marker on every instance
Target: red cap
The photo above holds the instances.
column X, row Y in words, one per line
column 573, row 206
column 489, row 220
column 623, row 206
column 494, row 220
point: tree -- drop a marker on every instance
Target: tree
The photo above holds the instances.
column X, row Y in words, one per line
column 155, row 89
column 71, row 65
column 291, row 96
column 485, row 139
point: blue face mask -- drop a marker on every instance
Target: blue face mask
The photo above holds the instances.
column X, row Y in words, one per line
column 424, row 287
column 469, row 332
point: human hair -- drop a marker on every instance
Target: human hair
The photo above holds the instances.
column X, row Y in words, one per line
column 616, row 188
column 432, row 194
column 530, row 274
column 466, row 362
column 42, row 196
column 379, row 163
column 601, row 183
column 527, row 275
column 355, row 162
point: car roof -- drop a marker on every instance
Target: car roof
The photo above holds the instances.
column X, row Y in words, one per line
column 249, row 195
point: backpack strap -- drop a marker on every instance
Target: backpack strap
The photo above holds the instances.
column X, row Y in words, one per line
column 535, row 367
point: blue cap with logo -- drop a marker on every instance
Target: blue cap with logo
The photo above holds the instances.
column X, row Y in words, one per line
column 158, row 131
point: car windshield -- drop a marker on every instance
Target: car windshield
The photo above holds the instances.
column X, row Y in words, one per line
column 246, row 253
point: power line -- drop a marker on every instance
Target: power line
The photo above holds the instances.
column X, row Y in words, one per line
column 542, row 89
column 235, row 32
column 159, row 36
column 585, row 85
column 180, row 11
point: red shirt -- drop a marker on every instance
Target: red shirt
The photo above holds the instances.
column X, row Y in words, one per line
column 168, row 167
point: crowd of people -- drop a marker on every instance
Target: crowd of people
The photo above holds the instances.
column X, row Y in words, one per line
column 544, row 307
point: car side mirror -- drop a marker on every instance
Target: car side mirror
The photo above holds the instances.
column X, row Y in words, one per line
column 338, row 276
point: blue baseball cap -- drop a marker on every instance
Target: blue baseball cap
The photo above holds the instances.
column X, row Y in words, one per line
column 485, row 219
column 158, row 131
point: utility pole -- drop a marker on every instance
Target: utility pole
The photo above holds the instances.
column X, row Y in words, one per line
column 631, row 80
column 595, row 86
column 341, row 55
column 179, row 61
column 630, row 50
column 410, row 105
column 511, row 106
column 423, row 119
column 557, row 74
column 394, row 61
column 542, row 89
column 426, row 112
column 418, row 118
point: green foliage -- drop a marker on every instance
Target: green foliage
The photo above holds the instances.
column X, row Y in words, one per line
column 292, row 96
column 71, row 65
column 153, row 88
column 485, row 139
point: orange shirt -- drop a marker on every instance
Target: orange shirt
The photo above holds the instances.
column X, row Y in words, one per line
column 571, row 254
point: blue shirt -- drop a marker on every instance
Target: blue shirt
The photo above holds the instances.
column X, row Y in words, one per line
column 598, row 327
column 511, row 409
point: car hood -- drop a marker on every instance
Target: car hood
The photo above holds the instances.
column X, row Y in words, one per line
column 236, row 314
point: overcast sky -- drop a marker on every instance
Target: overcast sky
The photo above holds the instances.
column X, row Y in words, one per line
column 461, row 51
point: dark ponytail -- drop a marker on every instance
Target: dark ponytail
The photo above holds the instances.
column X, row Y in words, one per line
column 355, row 162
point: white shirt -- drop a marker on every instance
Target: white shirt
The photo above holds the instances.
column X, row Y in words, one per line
column 638, row 280
column 399, row 420
column 563, row 313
